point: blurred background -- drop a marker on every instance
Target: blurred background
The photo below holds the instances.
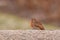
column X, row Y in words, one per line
column 16, row 14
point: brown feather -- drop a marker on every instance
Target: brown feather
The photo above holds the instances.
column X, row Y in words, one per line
column 36, row 24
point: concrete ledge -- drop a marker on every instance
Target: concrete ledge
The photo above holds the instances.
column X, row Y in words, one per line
column 29, row 35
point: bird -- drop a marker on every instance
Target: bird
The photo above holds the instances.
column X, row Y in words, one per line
column 36, row 24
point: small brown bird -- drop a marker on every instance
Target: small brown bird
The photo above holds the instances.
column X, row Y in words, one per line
column 36, row 24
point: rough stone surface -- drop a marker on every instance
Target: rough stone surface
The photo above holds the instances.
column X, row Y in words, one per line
column 29, row 35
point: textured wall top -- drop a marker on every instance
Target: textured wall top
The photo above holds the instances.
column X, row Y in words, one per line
column 29, row 35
